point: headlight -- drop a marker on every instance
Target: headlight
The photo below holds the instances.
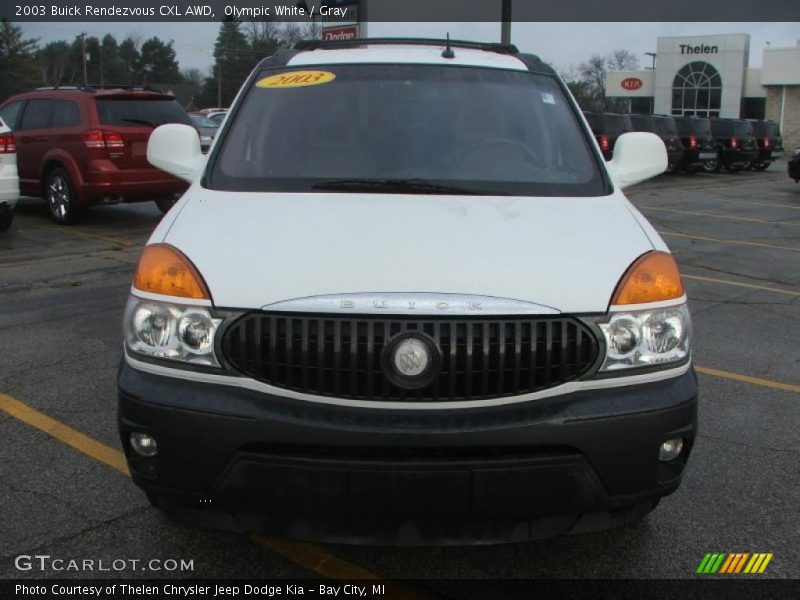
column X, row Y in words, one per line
column 171, row 331
column 644, row 338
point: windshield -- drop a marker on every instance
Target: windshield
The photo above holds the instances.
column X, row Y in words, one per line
column 131, row 112
column 765, row 129
column 484, row 131
column 743, row 128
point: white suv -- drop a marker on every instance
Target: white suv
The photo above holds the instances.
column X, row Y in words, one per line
column 405, row 301
column 9, row 180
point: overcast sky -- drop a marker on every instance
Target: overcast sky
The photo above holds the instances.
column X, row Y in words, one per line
column 561, row 44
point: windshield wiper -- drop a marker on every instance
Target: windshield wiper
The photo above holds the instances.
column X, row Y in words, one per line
column 140, row 122
column 408, row 186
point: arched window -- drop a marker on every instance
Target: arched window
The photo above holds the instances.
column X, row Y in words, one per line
column 697, row 91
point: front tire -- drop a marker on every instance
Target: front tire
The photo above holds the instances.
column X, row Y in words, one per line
column 164, row 204
column 60, row 196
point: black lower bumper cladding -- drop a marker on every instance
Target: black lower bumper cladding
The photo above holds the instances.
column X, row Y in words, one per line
column 238, row 459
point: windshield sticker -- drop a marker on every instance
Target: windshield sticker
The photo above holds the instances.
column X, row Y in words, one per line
column 548, row 98
column 294, row 79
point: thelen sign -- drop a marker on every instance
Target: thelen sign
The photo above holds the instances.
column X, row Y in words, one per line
column 631, row 83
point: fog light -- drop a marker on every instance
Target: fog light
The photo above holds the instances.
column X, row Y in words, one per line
column 670, row 450
column 143, row 444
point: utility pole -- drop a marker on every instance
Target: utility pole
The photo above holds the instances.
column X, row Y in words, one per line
column 83, row 57
column 219, row 82
column 505, row 27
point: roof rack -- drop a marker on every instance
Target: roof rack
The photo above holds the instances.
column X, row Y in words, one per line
column 95, row 88
column 328, row 44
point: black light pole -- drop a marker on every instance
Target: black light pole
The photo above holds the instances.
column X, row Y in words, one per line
column 505, row 27
column 653, row 54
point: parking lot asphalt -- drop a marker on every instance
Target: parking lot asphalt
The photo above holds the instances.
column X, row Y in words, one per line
column 62, row 291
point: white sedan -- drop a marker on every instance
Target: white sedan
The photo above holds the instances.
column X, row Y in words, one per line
column 9, row 180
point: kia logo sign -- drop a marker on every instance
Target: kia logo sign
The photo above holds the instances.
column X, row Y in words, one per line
column 631, row 83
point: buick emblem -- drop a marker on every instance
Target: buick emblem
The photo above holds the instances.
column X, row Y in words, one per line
column 411, row 357
column 411, row 360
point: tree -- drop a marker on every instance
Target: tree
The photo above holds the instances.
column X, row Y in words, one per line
column 194, row 80
column 56, row 64
column 11, row 43
column 593, row 80
column 129, row 55
column 17, row 62
column 233, row 61
column 157, row 62
column 113, row 66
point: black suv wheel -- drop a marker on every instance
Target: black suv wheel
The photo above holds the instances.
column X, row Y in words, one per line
column 712, row 166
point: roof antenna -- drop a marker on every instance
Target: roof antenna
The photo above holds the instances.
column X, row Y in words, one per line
column 448, row 51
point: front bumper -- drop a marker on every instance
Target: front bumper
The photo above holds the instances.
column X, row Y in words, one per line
column 243, row 459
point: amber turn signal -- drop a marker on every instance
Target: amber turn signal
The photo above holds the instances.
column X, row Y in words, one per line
column 163, row 269
column 653, row 277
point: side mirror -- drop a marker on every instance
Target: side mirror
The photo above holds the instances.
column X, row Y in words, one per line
column 638, row 156
column 175, row 148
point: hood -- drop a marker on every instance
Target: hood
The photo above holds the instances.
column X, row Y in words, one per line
column 255, row 249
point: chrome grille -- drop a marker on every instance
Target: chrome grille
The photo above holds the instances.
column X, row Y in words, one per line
column 340, row 356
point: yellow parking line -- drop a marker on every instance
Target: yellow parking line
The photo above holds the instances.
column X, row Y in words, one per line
column 64, row 433
column 769, row 204
column 739, row 284
column 314, row 559
column 724, row 241
column 308, row 556
column 718, row 216
column 776, row 385
column 90, row 236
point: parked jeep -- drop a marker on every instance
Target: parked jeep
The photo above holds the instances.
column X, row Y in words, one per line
column 769, row 141
column 699, row 145
column 736, row 144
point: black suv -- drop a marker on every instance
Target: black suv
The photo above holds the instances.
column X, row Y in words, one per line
column 699, row 146
column 736, row 143
column 607, row 127
column 770, row 143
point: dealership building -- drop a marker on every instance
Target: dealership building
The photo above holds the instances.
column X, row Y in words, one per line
column 708, row 76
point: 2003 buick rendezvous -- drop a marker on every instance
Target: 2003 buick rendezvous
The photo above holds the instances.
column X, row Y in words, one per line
column 405, row 301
